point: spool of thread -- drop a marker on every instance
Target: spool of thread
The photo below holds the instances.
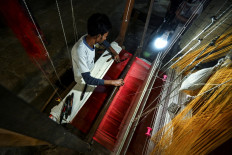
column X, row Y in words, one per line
column 52, row 117
column 164, row 77
column 58, row 99
column 148, row 131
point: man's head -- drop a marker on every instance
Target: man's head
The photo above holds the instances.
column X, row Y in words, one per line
column 98, row 26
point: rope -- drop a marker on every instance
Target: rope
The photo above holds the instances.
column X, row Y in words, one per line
column 173, row 42
column 221, row 6
column 206, row 110
column 212, row 43
column 199, row 41
column 204, row 30
column 225, row 10
column 148, row 139
column 193, row 96
column 177, row 84
column 184, row 27
column 217, row 25
column 176, row 79
column 42, row 42
column 193, row 68
column 61, row 22
column 204, row 92
column 187, row 75
column 74, row 23
column 213, row 88
column 127, row 11
column 146, row 113
column 199, row 62
column 209, row 54
column 181, row 74
column 46, row 77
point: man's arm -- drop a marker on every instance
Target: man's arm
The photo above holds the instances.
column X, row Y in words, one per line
column 91, row 80
column 118, row 82
column 115, row 54
column 94, row 81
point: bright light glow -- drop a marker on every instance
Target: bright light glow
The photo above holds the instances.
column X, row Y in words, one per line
column 160, row 43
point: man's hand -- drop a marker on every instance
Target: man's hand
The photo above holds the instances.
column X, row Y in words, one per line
column 115, row 54
column 118, row 82
column 117, row 58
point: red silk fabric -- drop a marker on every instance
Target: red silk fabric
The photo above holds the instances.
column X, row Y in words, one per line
column 141, row 129
column 112, row 122
column 86, row 116
column 17, row 18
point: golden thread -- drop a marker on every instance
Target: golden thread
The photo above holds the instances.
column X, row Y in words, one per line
column 208, row 127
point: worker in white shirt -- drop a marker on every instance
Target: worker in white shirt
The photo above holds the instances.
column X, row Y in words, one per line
column 83, row 52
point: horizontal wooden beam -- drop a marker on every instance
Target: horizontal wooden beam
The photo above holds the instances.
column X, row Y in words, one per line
column 9, row 138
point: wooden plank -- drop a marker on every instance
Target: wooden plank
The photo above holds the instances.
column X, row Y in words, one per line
column 10, row 138
column 49, row 99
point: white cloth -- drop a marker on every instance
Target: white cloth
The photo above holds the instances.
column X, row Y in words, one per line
column 197, row 79
column 116, row 47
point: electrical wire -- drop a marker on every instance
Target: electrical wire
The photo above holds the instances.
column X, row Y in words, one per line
column 171, row 91
column 184, row 27
column 181, row 80
column 126, row 19
column 74, row 23
column 199, row 40
column 42, row 42
column 61, row 22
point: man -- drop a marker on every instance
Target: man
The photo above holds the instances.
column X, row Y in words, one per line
column 187, row 12
column 172, row 7
column 187, row 9
column 83, row 52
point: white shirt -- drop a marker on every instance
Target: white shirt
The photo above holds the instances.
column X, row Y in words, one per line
column 82, row 58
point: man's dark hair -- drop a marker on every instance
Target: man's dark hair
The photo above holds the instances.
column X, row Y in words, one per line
column 98, row 24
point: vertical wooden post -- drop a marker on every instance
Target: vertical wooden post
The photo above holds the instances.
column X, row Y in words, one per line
column 125, row 21
column 139, row 50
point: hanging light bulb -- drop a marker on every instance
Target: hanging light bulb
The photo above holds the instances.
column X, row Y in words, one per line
column 162, row 42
